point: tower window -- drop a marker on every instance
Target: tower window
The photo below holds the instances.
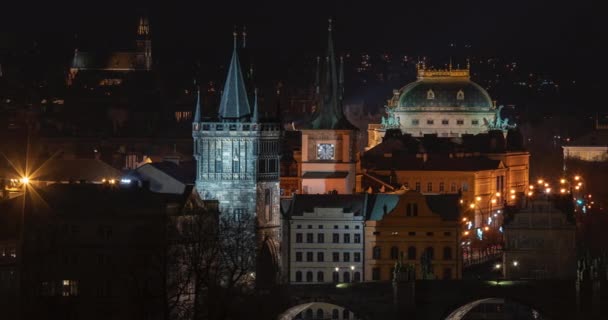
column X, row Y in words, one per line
column 267, row 205
column 430, row 95
column 431, row 122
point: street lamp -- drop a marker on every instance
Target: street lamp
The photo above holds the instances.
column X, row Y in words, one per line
column 25, row 180
column 497, row 268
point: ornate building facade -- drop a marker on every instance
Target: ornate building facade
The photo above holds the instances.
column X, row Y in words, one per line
column 442, row 102
column 238, row 164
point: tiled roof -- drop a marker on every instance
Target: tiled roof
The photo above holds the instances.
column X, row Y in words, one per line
column 185, row 172
column 307, row 202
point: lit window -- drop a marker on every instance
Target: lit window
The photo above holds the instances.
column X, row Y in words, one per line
column 69, row 288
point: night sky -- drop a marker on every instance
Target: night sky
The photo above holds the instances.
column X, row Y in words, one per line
column 560, row 38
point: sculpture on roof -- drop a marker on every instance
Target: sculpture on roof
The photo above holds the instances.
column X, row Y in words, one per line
column 498, row 123
column 390, row 122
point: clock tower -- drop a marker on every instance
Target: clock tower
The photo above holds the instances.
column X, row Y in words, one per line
column 329, row 148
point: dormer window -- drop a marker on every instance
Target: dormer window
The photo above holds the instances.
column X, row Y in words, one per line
column 460, row 95
column 430, row 95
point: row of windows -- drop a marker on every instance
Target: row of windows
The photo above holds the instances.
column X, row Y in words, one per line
column 430, row 95
column 299, row 226
column 444, row 122
column 376, row 275
column 335, row 256
column 411, row 253
column 413, row 233
column 346, row 276
column 346, row 238
column 321, row 315
column 442, row 187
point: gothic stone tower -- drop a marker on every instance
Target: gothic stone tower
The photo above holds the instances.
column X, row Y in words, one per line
column 329, row 148
column 144, row 45
column 238, row 164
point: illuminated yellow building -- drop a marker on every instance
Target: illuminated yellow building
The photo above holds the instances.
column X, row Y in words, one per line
column 407, row 225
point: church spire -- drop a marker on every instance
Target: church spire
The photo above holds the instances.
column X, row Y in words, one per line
column 197, row 113
column 254, row 117
column 234, row 104
column 329, row 114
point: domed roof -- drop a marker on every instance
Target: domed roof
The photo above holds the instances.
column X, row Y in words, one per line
column 443, row 89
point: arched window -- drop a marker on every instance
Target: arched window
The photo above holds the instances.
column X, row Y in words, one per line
column 430, row 253
column 336, row 276
column 335, row 314
column 346, row 276
column 430, row 95
column 345, row 314
column 411, row 253
column 460, row 95
column 320, row 276
column 357, row 277
column 394, row 253
column 308, row 314
column 447, row 253
column 320, row 314
column 298, row 276
column 376, row 253
column 309, row 276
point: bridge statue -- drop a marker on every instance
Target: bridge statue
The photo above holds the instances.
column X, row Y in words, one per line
column 403, row 271
column 426, row 266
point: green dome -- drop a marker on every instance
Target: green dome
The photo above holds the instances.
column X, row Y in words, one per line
column 444, row 92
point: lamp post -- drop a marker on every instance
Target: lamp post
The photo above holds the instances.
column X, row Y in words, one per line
column 497, row 268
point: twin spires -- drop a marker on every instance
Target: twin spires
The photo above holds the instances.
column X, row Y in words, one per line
column 329, row 92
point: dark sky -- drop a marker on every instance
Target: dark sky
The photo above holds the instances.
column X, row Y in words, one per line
column 560, row 37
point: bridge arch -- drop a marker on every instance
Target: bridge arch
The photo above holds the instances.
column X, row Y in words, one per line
column 317, row 311
column 496, row 305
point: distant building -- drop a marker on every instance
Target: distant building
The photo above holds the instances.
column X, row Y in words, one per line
column 93, row 251
column 592, row 147
column 540, row 242
column 326, row 238
column 412, row 227
column 442, row 102
column 164, row 177
column 486, row 170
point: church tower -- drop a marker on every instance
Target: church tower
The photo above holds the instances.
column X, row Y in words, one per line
column 329, row 148
column 237, row 158
column 144, row 45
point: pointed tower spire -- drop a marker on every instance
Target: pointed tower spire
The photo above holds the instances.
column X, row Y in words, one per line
column 254, row 117
column 317, row 83
column 329, row 113
column 234, row 105
column 197, row 113
column 245, row 37
column 341, row 79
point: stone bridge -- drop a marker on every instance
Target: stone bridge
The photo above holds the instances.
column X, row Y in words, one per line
column 435, row 300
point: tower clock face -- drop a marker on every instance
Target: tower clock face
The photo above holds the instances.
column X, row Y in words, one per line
column 325, row 151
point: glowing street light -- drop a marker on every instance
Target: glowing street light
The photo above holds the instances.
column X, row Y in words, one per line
column 486, row 228
column 472, row 206
column 498, row 194
column 562, row 190
column 540, row 181
column 497, row 266
column 512, row 191
column 548, row 190
column 352, row 268
column 478, row 198
column 530, row 193
column 493, row 201
column 25, row 180
column 515, row 263
column 531, row 187
column 562, row 181
column 577, row 178
column 337, row 269
column 512, row 197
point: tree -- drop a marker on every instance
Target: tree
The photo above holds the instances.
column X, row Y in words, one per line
column 210, row 261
